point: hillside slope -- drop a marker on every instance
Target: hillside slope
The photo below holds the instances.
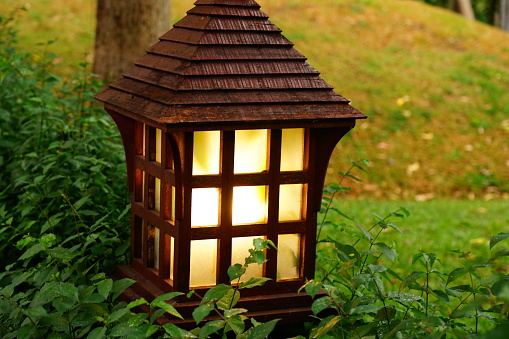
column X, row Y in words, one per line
column 434, row 86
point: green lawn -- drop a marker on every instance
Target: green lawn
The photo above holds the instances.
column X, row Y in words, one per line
column 435, row 226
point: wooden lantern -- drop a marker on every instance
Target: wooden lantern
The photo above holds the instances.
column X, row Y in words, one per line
column 228, row 133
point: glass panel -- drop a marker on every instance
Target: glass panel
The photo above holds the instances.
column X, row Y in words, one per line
column 240, row 251
column 157, row 205
column 249, row 204
column 203, row 262
column 158, row 145
column 172, row 256
column 172, row 217
column 292, row 149
column 206, row 152
column 288, row 256
column 205, row 207
column 250, row 151
column 290, row 202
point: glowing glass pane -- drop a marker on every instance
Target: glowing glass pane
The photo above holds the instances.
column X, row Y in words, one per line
column 240, row 251
column 250, row 151
column 290, row 202
column 288, row 256
column 172, row 256
column 292, row 149
column 172, row 218
column 203, row 262
column 249, row 205
column 158, row 145
column 205, row 207
column 157, row 204
column 206, row 152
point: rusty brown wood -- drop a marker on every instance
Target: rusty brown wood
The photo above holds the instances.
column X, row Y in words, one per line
column 217, row 68
column 228, row 11
column 224, row 52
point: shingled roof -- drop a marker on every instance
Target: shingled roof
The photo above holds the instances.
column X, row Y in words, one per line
column 225, row 62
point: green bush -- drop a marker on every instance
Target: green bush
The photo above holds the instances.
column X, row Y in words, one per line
column 62, row 165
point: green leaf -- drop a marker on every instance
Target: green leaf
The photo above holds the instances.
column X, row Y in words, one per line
column 236, row 323
column 389, row 253
column 175, row 332
column 456, row 273
column 116, row 315
column 202, row 311
column 236, row 271
column 366, row 233
column 258, row 256
column 32, row 251
column 346, row 252
column 234, row 311
column 413, row 277
column 497, row 238
column 253, row 282
column 321, row 304
column 166, row 297
column 97, row 333
column 120, row 286
column 326, row 327
column 166, row 307
column 377, row 268
column 386, row 313
column 137, row 302
column 261, row 331
column 104, row 287
column 215, row 293
column 403, row 297
column 229, row 300
column 211, row 327
column 68, row 290
column 313, row 287
column 362, row 309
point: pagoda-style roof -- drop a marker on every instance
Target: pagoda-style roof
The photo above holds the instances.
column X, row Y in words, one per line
column 225, row 62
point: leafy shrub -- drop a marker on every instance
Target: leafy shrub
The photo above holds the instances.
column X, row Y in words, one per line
column 369, row 299
column 62, row 165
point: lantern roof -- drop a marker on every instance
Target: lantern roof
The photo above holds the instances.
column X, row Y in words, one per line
column 225, row 62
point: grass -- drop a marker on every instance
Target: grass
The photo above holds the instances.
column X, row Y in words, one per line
column 437, row 226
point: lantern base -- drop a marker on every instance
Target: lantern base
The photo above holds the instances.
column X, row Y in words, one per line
column 289, row 307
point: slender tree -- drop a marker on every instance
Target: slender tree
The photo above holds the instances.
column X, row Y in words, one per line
column 465, row 9
column 504, row 15
column 124, row 29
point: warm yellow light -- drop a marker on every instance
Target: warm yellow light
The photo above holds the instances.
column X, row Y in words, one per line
column 288, row 256
column 157, row 201
column 206, row 152
column 290, row 202
column 205, row 207
column 249, row 205
column 240, row 251
column 292, row 149
column 172, row 203
column 203, row 262
column 172, row 256
column 158, row 145
column 250, row 151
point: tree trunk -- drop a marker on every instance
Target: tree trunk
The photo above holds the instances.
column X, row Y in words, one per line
column 125, row 28
column 504, row 15
column 465, row 9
